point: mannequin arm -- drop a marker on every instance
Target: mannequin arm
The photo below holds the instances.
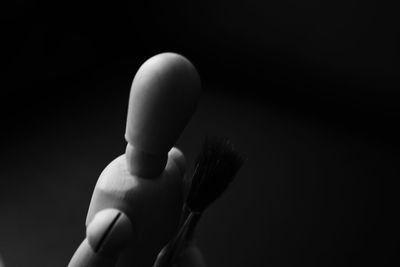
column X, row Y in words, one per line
column 106, row 235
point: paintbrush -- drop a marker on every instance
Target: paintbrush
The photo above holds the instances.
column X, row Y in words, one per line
column 215, row 168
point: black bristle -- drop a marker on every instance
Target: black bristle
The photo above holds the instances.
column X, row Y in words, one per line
column 215, row 168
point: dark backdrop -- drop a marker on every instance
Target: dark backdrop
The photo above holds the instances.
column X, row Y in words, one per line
column 307, row 90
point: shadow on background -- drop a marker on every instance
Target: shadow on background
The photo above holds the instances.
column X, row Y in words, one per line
column 308, row 91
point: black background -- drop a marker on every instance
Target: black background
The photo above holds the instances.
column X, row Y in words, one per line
column 307, row 90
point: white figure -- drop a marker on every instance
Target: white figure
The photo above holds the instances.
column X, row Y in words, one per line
column 137, row 202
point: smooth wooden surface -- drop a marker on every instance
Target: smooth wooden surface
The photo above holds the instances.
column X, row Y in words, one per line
column 85, row 256
column 110, row 232
column 163, row 97
column 107, row 235
column 153, row 206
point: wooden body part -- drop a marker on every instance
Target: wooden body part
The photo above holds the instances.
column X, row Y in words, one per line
column 146, row 183
column 109, row 232
column 154, row 206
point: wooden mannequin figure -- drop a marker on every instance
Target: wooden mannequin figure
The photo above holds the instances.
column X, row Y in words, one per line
column 137, row 202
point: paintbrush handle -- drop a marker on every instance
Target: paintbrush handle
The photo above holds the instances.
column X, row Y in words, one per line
column 174, row 248
column 189, row 224
column 189, row 235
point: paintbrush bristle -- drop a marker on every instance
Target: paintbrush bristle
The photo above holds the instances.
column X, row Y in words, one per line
column 215, row 168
